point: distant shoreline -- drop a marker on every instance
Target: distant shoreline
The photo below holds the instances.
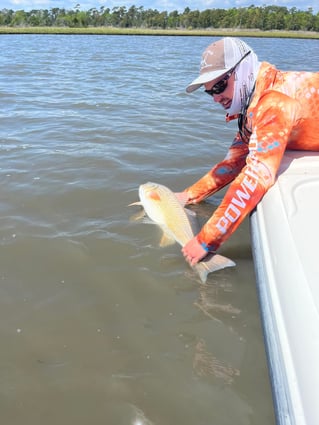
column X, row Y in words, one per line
column 236, row 32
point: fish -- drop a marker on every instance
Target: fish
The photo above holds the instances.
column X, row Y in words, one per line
column 179, row 224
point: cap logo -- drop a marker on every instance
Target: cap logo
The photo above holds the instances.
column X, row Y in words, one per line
column 212, row 60
column 206, row 61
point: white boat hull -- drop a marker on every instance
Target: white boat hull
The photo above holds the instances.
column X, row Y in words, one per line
column 285, row 240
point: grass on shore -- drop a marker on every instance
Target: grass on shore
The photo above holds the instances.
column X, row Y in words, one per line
column 169, row 32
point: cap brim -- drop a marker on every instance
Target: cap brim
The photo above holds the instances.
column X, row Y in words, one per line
column 205, row 78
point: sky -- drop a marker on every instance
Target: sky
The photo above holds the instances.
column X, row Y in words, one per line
column 160, row 5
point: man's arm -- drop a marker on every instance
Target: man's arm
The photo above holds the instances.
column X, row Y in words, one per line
column 221, row 174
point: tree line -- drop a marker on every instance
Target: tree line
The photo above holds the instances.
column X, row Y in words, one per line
column 263, row 18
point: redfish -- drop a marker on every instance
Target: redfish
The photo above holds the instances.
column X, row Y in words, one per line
column 179, row 224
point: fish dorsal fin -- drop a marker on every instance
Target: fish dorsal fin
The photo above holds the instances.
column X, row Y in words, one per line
column 190, row 213
column 192, row 217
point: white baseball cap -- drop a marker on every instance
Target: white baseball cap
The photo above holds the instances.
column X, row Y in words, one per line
column 218, row 58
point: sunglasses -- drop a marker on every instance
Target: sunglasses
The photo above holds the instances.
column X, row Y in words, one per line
column 222, row 84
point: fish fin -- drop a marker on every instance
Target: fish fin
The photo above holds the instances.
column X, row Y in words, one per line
column 211, row 264
column 166, row 240
column 138, row 216
column 192, row 217
column 190, row 213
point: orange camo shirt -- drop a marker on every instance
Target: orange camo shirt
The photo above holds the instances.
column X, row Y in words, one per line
column 283, row 114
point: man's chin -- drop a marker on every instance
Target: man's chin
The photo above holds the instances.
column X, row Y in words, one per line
column 226, row 105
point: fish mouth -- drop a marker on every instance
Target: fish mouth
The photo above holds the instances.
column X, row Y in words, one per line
column 147, row 187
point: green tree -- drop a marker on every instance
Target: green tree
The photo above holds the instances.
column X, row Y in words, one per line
column 173, row 20
column 265, row 18
column 19, row 18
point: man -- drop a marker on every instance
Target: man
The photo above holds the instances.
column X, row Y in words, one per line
column 276, row 110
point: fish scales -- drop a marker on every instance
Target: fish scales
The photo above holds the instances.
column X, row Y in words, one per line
column 175, row 217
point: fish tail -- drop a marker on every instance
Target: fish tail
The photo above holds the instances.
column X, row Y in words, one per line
column 202, row 272
column 211, row 264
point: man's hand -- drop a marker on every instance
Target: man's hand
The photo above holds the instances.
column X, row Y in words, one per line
column 193, row 252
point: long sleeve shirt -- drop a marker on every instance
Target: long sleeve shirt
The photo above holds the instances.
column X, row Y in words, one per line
column 283, row 114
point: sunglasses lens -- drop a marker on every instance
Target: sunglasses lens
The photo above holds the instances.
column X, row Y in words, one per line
column 218, row 88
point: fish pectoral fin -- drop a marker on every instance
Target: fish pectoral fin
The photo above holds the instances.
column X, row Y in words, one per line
column 166, row 240
column 138, row 216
